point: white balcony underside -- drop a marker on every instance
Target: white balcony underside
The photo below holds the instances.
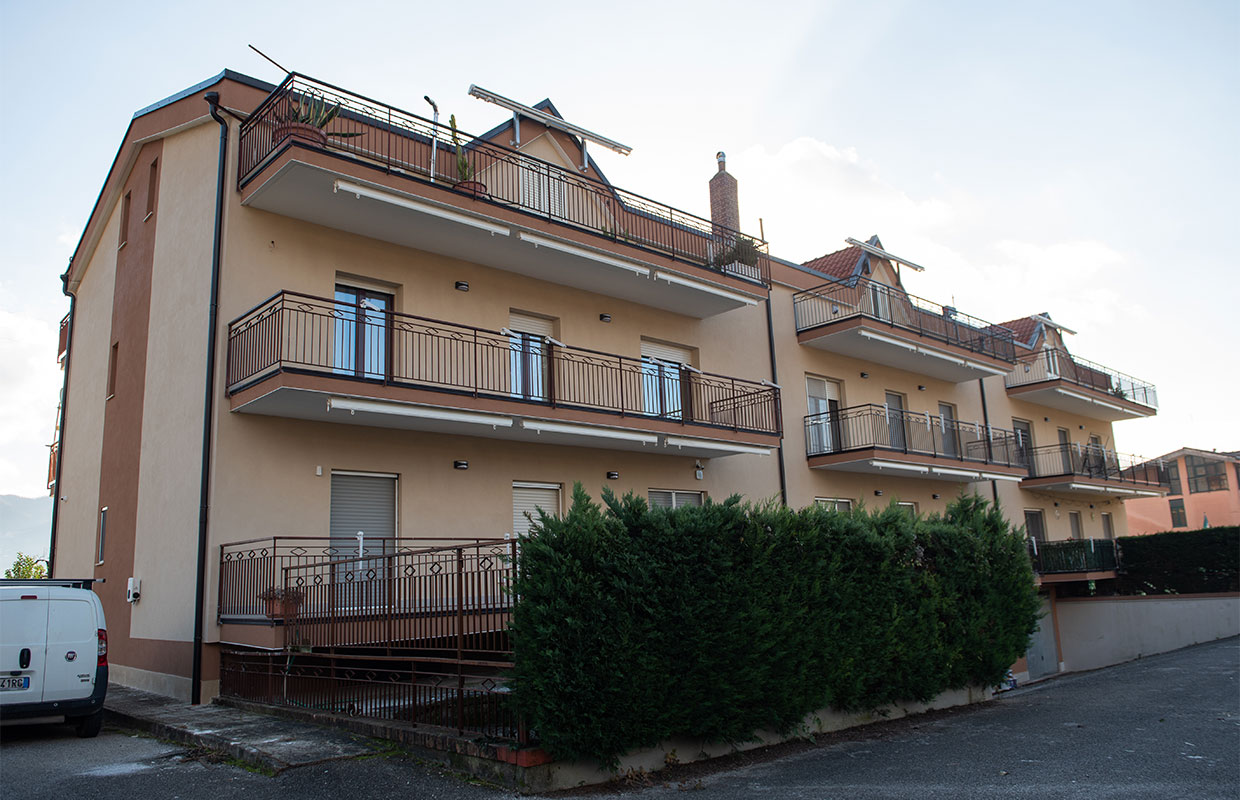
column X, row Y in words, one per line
column 963, row 473
column 312, row 194
column 1077, row 401
column 353, row 410
column 1077, row 486
column 890, row 349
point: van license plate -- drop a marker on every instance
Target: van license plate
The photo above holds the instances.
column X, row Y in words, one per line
column 9, row 684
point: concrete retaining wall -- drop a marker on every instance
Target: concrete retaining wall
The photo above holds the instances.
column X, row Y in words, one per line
column 1100, row 631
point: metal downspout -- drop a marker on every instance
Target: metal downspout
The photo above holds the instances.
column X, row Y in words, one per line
column 60, row 423
column 212, row 98
column 770, row 340
column 994, row 485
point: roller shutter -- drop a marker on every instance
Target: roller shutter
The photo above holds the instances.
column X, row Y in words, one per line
column 527, row 498
column 364, row 503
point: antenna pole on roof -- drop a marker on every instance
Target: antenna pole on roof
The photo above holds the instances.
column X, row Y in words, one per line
column 269, row 58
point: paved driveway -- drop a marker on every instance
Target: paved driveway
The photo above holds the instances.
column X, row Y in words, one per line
column 1164, row 727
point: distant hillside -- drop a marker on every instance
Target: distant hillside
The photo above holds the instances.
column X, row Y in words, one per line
column 25, row 525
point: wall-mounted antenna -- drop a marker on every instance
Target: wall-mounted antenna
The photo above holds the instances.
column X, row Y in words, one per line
column 269, row 58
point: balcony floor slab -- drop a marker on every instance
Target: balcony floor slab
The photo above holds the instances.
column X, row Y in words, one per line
column 1075, row 399
column 878, row 461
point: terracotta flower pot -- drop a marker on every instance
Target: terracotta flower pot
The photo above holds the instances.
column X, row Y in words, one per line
column 302, row 131
column 281, row 607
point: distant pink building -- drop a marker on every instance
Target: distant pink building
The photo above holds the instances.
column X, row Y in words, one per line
column 1205, row 490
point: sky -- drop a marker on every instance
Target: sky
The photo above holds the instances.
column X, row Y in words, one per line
column 1073, row 158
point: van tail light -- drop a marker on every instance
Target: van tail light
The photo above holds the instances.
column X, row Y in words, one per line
column 103, row 647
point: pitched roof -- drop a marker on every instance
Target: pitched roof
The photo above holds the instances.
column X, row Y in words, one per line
column 1026, row 329
column 840, row 264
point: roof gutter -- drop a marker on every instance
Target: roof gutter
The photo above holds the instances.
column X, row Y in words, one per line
column 208, row 411
column 64, row 413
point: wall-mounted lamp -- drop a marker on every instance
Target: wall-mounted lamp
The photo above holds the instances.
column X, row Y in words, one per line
column 604, row 317
column 1046, row 419
column 935, row 496
column 878, row 492
column 865, row 374
column 1056, row 505
column 1080, row 427
column 462, row 286
column 460, row 465
column 921, row 388
column 613, row 476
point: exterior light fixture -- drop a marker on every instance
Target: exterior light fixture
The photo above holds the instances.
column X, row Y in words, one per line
column 462, row 286
column 878, row 492
column 921, row 388
column 604, row 317
column 460, row 465
column 935, row 496
column 865, row 374
column 613, row 476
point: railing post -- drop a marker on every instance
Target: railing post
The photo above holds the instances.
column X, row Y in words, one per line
column 460, row 640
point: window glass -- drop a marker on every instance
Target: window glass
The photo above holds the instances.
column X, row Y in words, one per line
column 1178, row 517
column 1205, row 475
column 834, row 503
column 1173, row 475
column 1108, row 526
column 673, row 498
column 1035, row 524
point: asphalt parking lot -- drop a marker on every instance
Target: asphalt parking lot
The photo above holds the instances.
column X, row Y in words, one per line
column 1161, row 727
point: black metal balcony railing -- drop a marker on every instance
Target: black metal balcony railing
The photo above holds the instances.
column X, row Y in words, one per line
column 1056, row 364
column 1074, row 555
column 303, row 333
column 875, row 426
column 409, row 145
column 835, row 302
column 1094, row 462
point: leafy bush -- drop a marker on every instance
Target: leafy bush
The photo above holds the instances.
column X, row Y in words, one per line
column 1181, row 562
column 635, row 624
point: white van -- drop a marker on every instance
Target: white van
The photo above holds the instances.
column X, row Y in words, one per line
column 53, row 653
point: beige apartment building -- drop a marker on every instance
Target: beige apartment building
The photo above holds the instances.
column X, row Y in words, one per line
column 307, row 326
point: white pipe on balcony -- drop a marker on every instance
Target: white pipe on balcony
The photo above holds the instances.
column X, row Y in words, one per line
column 704, row 444
column 705, row 287
column 353, row 405
column 539, row 426
column 582, row 252
column 359, row 191
column 894, row 465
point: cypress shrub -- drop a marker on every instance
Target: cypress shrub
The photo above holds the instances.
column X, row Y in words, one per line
column 1181, row 562
column 635, row 624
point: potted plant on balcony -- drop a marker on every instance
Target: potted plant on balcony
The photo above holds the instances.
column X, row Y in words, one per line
column 307, row 116
column 282, row 603
column 464, row 170
column 740, row 258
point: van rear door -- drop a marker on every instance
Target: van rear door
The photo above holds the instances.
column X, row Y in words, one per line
column 23, row 623
column 72, row 645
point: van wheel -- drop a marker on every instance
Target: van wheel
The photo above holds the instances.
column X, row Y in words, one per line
column 89, row 727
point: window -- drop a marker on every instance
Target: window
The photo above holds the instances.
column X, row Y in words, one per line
column 363, row 332
column 1108, row 526
column 822, row 426
column 103, row 531
column 673, row 498
column 529, row 353
column 1074, row 519
column 1035, row 524
column 1178, row 518
column 896, row 421
column 123, row 235
column 947, row 431
column 542, row 188
column 908, row 505
column 1024, row 437
column 665, row 383
column 113, row 356
column 527, row 499
column 1173, row 475
column 834, row 503
column 1205, row 475
column 151, row 188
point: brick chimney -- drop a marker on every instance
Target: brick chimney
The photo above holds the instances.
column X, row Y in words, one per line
column 724, row 208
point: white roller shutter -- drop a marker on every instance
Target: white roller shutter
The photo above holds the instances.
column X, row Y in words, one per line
column 527, row 498
column 525, row 323
column 364, row 503
column 666, row 352
column 670, row 498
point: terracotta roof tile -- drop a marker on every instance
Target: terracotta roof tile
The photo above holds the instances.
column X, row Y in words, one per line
column 840, row 264
column 1025, row 329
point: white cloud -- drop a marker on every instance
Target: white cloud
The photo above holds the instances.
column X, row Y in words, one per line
column 31, row 381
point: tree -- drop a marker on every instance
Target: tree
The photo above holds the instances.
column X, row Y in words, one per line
column 27, row 567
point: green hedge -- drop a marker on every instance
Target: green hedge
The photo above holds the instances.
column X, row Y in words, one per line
column 1181, row 562
column 636, row 624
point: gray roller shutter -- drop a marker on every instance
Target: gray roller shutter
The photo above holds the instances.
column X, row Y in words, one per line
column 668, row 498
column 364, row 503
column 666, row 352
